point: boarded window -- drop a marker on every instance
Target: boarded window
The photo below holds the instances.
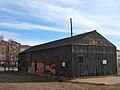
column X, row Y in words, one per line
column 81, row 58
column 63, row 64
column 104, row 61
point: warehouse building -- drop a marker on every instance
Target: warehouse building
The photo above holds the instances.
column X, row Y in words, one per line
column 87, row 54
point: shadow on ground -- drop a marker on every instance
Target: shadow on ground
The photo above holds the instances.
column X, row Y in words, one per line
column 20, row 77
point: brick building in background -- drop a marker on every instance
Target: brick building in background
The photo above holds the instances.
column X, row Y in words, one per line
column 24, row 47
column 4, row 49
column 118, row 57
column 9, row 52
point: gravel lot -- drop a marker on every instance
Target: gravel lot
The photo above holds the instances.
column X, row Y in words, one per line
column 104, row 80
column 24, row 81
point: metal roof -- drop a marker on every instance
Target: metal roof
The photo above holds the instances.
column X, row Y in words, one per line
column 62, row 42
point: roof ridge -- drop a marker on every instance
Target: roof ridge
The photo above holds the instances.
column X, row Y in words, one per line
column 63, row 39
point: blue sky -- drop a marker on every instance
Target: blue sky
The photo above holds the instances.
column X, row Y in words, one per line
column 34, row 22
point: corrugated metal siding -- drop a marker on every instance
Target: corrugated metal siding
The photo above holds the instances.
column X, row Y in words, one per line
column 93, row 60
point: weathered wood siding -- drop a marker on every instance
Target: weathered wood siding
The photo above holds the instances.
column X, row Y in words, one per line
column 88, row 54
column 93, row 64
column 44, row 60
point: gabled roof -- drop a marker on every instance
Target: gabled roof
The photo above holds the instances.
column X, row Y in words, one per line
column 70, row 41
column 25, row 46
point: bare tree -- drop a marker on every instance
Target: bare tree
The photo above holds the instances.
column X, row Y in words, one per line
column 10, row 39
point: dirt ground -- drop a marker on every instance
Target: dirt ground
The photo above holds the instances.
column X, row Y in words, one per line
column 24, row 81
column 106, row 80
column 118, row 70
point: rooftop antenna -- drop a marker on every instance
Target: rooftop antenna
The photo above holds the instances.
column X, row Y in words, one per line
column 71, row 27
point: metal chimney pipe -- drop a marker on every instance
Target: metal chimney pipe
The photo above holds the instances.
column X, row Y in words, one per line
column 71, row 27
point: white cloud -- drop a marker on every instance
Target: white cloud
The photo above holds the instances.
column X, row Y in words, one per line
column 30, row 42
column 9, row 35
column 15, row 36
column 2, row 32
column 30, row 26
column 57, row 14
column 102, row 15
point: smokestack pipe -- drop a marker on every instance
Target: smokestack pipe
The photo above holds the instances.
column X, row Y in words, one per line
column 71, row 27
